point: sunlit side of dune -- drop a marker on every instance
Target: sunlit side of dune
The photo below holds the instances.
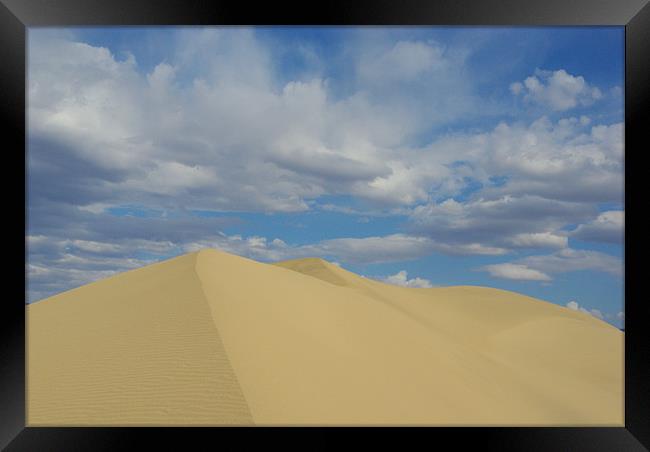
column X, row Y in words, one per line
column 212, row 338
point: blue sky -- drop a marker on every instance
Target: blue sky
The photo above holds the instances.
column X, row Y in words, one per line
column 422, row 156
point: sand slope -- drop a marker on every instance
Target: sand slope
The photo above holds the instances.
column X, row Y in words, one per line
column 212, row 338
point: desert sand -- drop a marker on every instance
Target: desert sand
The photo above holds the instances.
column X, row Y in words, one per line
column 210, row 338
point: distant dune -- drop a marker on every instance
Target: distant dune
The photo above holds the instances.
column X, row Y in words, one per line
column 210, row 338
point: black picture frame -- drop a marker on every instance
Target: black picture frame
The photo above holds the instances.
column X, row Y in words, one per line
column 16, row 15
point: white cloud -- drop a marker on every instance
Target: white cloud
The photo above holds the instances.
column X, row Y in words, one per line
column 96, row 247
column 401, row 279
column 575, row 306
column 540, row 267
column 211, row 118
column 144, row 135
column 540, row 240
column 404, row 61
column 557, row 90
column 558, row 160
column 607, row 227
column 516, row 271
column 516, row 88
column 170, row 177
column 596, row 313
column 568, row 260
column 503, row 223
column 468, row 249
column 95, row 207
column 395, row 247
column 390, row 248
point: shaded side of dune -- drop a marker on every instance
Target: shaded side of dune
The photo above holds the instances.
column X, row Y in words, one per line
column 136, row 349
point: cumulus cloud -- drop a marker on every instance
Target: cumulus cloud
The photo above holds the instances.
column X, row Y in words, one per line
column 615, row 319
column 504, row 223
column 215, row 115
column 391, row 248
column 540, row 267
column 403, row 61
column 396, row 247
column 557, row 90
column 596, row 313
column 210, row 118
column 552, row 175
column 563, row 160
column 619, row 319
column 573, row 305
column 568, row 260
column 540, row 240
column 517, row 272
column 401, row 279
column 607, row 227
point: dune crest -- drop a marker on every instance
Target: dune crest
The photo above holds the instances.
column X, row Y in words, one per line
column 210, row 338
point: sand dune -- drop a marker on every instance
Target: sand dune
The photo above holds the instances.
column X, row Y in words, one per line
column 209, row 338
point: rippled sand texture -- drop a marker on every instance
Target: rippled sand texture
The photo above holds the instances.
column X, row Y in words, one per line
column 211, row 339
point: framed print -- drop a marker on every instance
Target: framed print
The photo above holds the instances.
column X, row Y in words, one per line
column 359, row 214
